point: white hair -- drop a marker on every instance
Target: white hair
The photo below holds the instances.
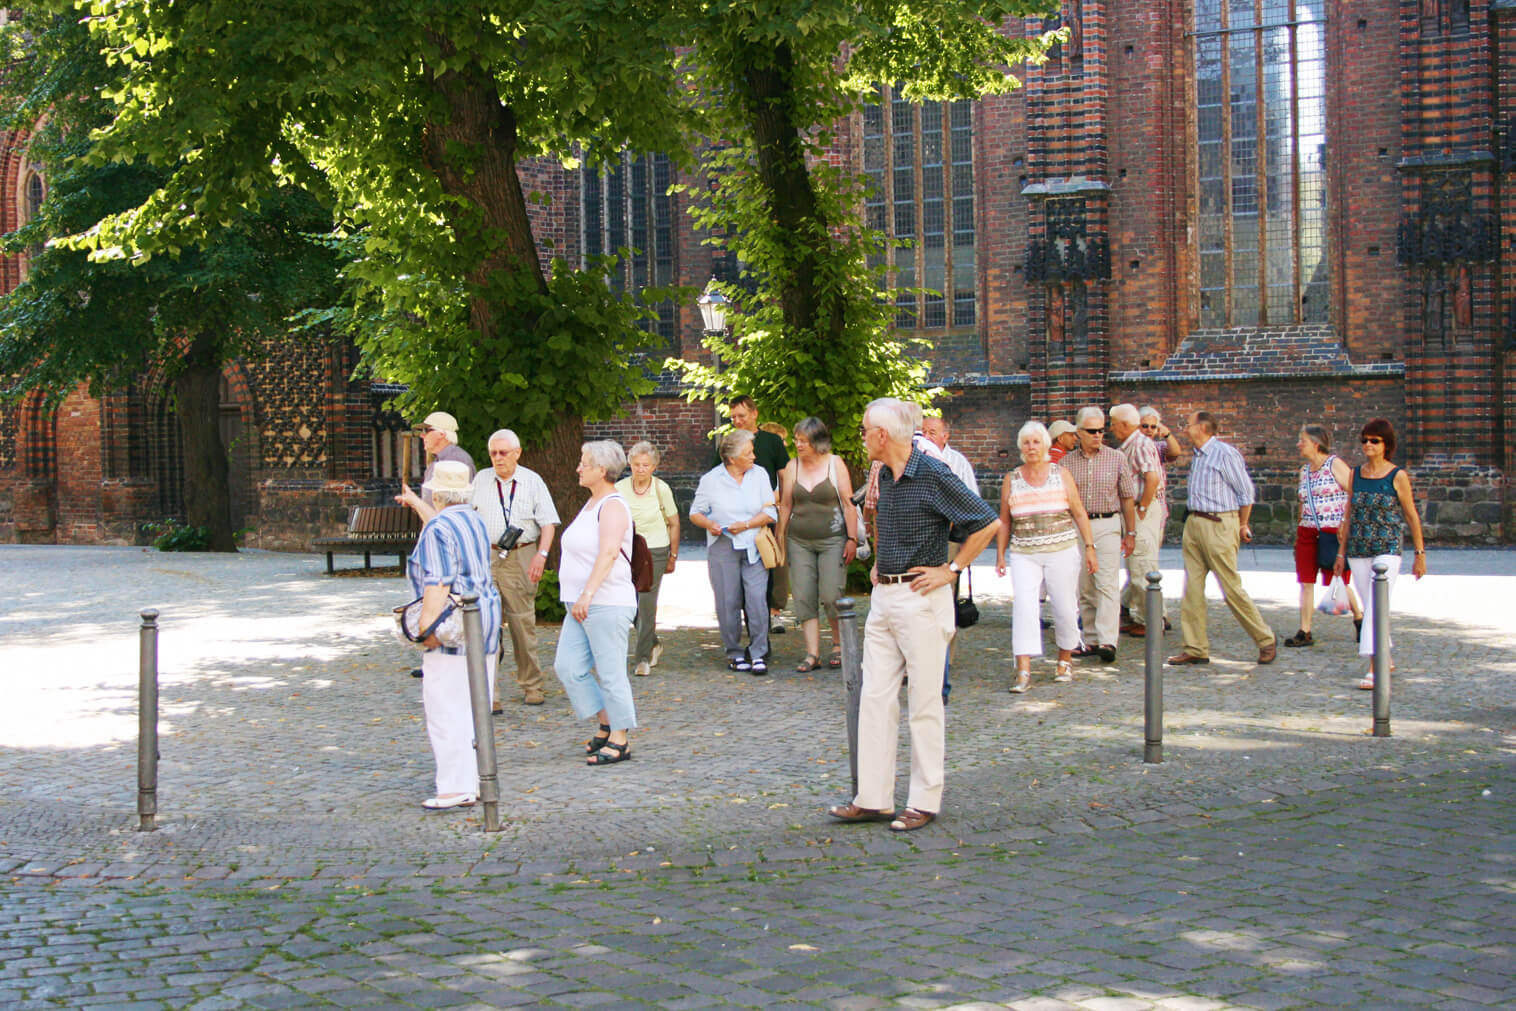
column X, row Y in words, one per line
column 1149, row 411
column 1037, row 429
column 506, row 436
column 607, row 455
column 732, row 443
column 1087, row 412
column 918, row 416
column 644, row 448
column 444, row 497
column 892, row 415
column 1126, row 414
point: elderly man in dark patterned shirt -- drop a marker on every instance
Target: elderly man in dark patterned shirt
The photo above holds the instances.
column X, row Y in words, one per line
column 1107, row 487
column 910, row 616
column 1220, row 500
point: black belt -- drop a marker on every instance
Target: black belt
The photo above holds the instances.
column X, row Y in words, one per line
column 1208, row 516
column 903, row 577
column 1102, row 516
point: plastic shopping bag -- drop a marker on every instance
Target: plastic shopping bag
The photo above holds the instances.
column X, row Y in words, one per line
column 1335, row 600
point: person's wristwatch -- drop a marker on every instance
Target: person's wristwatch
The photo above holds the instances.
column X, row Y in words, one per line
column 542, row 554
column 954, row 567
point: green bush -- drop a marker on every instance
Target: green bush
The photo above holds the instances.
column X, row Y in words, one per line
column 549, row 607
column 172, row 535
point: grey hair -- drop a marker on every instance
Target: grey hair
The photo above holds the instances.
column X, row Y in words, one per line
column 814, row 431
column 732, row 443
column 1149, row 411
column 892, row 415
column 450, row 436
column 451, row 497
column 1319, row 435
column 506, row 436
column 607, row 455
column 1035, row 428
column 1086, row 412
column 917, row 414
column 644, row 448
column 1126, row 414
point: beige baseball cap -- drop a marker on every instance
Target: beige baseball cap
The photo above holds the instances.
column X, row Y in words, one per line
column 442, row 421
column 1060, row 427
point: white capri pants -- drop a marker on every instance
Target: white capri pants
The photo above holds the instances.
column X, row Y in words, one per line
column 1363, row 585
column 1059, row 571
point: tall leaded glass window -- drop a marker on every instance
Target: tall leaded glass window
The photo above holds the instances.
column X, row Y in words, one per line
column 627, row 210
column 919, row 158
column 1260, row 74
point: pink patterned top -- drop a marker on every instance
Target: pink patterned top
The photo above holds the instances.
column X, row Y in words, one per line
column 1040, row 517
column 1322, row 499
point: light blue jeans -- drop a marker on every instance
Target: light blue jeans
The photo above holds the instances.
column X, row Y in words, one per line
column 591, row 663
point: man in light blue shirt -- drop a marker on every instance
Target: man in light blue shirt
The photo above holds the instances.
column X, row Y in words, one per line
column 1220, row 500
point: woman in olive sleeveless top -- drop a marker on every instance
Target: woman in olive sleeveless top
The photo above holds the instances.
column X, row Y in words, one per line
column 819, row 527
column 1380, row 507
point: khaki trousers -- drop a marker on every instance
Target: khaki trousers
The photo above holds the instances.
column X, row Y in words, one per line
column 906, row 634
column 1144, row 559
column 1210, row 547
column 518, row 605
column 1100, row 594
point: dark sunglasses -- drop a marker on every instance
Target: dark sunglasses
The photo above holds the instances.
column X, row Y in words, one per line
column 1150, row 426
column 1366, row 439
column 1093, row 431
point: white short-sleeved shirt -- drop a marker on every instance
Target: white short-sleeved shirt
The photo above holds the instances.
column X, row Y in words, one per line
column 525, row 498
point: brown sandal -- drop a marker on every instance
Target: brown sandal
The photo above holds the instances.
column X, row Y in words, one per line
column 852, row 812
column 911, row 819
column 810, row 663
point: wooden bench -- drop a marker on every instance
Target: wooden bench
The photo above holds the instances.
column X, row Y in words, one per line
column 374, row 530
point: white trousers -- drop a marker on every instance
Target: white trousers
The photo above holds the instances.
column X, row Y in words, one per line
column 450, row 721
column 1363, row 584
column 1059, row 572
column 907, row 634
column 1100, row 594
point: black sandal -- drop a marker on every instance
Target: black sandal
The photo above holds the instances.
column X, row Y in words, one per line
column 1301, row 638
column 835, row 660
column 599, row 741
column 810, row 663
column 623, row 752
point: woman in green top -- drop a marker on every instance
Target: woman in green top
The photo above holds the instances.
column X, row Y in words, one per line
column 656, row 518
column 1380, row 507
column 819, row 527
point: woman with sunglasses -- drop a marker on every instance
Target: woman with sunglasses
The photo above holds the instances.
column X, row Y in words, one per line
column 1380, row 507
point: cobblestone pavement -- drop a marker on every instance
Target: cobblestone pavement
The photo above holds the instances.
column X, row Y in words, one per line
column 1277, row 858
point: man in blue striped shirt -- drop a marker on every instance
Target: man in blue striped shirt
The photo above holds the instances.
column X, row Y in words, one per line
column 1220, row 500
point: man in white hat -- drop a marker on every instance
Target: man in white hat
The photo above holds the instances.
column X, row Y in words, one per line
column 439, row 434
column 1064, row 437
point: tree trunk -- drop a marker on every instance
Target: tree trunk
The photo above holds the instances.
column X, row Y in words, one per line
column 473, row 155
column 766, row 92
column 556, row 458
column 197, row 402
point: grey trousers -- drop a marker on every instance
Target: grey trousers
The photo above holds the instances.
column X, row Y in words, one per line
column 738, row 583
column 647, row 608
column 815, row 575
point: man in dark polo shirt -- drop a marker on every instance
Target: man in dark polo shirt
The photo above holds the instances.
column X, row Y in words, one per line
column 910, row 618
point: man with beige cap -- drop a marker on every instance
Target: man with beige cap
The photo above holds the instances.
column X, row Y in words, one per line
column 1064, row 436
column 439, row 434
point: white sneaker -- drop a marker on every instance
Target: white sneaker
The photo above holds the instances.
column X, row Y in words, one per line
column 652, row 661
column 643, row 670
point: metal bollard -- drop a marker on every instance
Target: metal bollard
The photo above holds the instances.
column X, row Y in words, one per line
column 1381, row 591
column 147, row 722
column 479, row 701
column 852, row 678
column 1152, row 694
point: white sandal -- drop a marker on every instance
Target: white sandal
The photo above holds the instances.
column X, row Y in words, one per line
column 1023, row 682
column 1065, row 672
column 449, row 802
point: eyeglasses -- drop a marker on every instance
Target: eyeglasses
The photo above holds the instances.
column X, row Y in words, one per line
column 1366, row 439
column 501, row 452
column 1093, row 431
column 1153, row 427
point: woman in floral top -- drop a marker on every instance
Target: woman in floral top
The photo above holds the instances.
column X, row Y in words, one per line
column 1323, row 497
column 1380, row 507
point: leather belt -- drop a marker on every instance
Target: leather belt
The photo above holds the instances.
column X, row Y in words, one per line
column 1206, row 516
column 1102, row 516
column 903, row 577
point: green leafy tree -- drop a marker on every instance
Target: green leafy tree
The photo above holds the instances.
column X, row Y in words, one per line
column 815, row 339
column 416, row 115
column 104, row 322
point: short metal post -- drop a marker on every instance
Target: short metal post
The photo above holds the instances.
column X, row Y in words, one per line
column 479, row 700
column 147, row 723
column 1381, row 591
column 852, row 677
column 1152, row 695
